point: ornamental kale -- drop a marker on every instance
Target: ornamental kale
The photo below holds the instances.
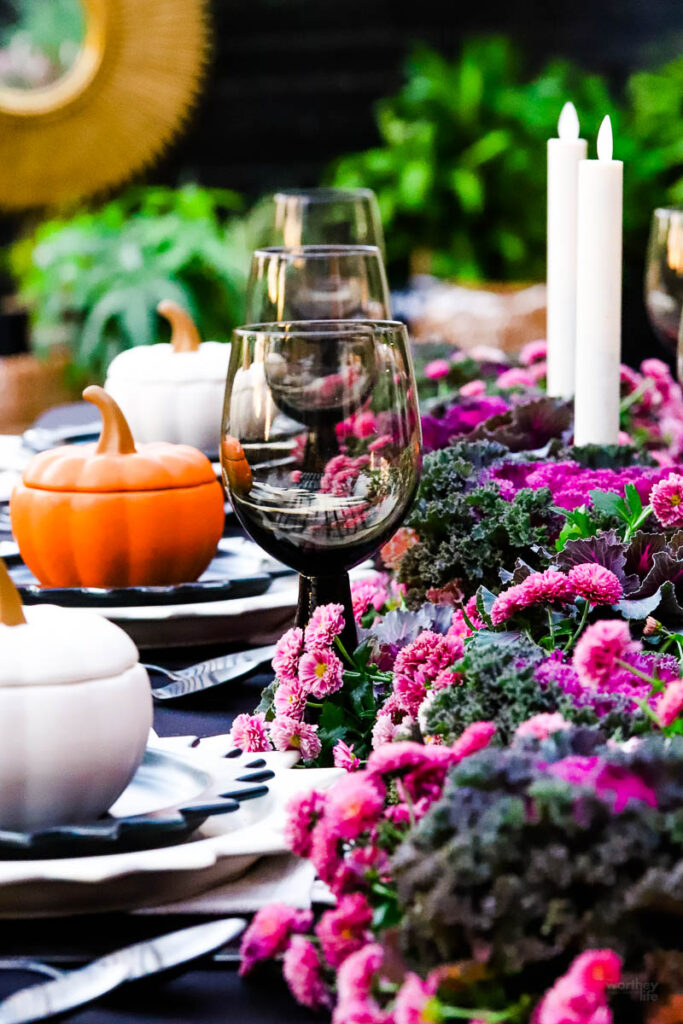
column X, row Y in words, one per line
column 468, row 531
column 545, row 849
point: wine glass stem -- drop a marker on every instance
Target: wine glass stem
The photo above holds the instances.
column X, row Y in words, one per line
column 317, row 590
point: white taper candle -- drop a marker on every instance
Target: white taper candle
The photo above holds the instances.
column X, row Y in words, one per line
column 564, row 155
column 598, row 296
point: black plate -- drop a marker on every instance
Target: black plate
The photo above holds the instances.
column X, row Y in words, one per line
column 166, row 801
column 135, row 597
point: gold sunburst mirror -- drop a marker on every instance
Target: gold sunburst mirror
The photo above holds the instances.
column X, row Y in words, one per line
column 94, row 107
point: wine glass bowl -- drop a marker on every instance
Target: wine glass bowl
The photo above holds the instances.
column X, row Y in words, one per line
column 331, row 440
column 320, row 216
column 318, row 282
column 664, row 276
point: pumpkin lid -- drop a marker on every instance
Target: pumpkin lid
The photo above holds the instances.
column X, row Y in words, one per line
column 47, row 645
column 55, row 646
column 114, row 464
column 185, row 360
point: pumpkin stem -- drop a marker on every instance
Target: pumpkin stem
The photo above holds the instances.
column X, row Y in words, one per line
column 184, row 336
column 11, row 608
column 116, row 438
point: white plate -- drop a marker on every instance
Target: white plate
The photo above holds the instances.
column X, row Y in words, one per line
column 217, row 853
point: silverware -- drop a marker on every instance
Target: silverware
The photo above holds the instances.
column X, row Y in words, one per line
column 40, row 439
column 208, row 674
column 76, row 988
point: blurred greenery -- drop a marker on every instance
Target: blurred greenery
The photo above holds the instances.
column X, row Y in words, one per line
column 102, row 272
column 461, row 172
column 460, row 177
column 40, row 40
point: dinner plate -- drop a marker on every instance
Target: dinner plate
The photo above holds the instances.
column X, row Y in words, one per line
column 216, row 852
column 167, row 799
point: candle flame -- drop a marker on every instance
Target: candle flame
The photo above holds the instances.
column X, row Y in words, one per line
column 605, row 141
column 568, row 124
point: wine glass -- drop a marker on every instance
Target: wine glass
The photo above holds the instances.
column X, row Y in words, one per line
column 320, row 216
column 321, row 446
column 318, row 282
column 664, row 275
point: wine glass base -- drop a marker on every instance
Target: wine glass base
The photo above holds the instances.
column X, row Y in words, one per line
column 318, row 590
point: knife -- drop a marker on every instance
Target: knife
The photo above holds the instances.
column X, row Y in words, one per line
column 208, row 674
column 39, row 1002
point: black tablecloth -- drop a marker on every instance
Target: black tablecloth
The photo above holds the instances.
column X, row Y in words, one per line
column 213, row 994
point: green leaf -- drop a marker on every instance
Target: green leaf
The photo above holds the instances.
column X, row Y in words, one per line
column 609, row 503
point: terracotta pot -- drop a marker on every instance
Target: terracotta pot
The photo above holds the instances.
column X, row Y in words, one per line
column 31, row 384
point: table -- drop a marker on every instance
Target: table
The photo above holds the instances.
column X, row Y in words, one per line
column 213, row 994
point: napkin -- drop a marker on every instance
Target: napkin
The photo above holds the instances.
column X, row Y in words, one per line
column 282, row 879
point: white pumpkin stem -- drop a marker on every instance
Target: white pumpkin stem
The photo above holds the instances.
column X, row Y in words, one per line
column 116, row 438
column 184, row 334
column 11, row 608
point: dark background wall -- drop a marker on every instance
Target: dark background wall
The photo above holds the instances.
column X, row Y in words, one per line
column 292, row 82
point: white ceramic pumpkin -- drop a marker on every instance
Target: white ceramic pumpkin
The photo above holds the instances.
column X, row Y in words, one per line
column 173, row 392
column 75, row 713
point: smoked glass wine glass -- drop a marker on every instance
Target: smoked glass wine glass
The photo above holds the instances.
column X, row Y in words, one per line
column 321, row 446
column 318, row 282
column 664, row 276
column 320, row 216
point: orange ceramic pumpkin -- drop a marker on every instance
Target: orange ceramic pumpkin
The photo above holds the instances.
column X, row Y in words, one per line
column 113, row 515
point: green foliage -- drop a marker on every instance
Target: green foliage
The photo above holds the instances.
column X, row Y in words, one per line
column 467, row 531
column 103, row 271
column 53, row 29
column 461, row 168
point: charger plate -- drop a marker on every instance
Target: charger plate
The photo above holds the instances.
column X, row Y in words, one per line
column 221, row 849
column 166, row 800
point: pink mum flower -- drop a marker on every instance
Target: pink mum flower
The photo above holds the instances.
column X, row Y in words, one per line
column 419, row 663
column 366, row 594
column 345, row 929
column 600, row 648
column 321, row 672
column 595, row 583
column 269, row 933
column 250, row 733
column 290, row 699
column 666, row 498
column 542, row 725
column 356, row 975
column 383, row 731
column 326, row 623
column 304, row 811
column 579, row 996
column 303, row 974
column 473, row 389
column 437, row 369
column 290, row 734
column 533, row 352
column 325, row 855
column 515, row 378
column 287, row 653
column 473, row 613
column 538, row 588
column 475, row 737
column 670, row 704
column 413, row 999
column 344, row 757
column 354, row 804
